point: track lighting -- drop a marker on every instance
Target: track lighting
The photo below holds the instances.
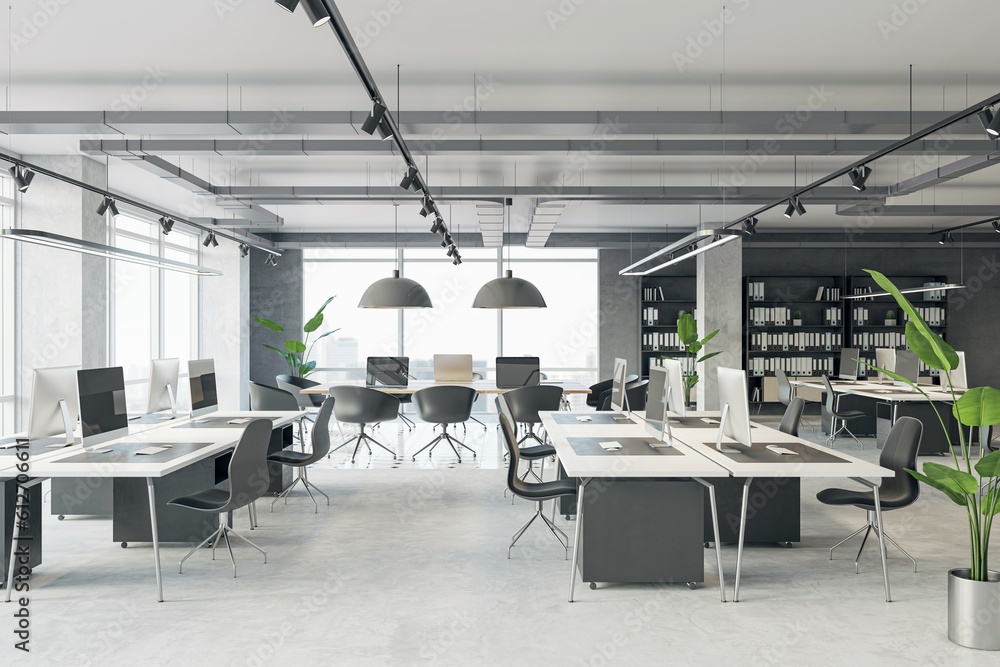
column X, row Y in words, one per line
column 384, row 130
column 448, row 239
column 990, row 121
column 798, row 206
column 210, row 240
column 373, row 121
column 166, row 224
column 244, row 250
column 789, row 210
column 428, row 207
column 290, row 5
column 996, row 226
column 451, row 250
column 859, row 176
column 418, row 184
column 946, row 238
column 750, row 226
column 457, row 260
column 407, row 181
column 269, row 260
column 437, row 226
column 316, row 12
column 444, row 244
column 107, row 205
column 22, row 177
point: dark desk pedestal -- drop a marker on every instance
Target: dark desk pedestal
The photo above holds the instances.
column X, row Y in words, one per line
column 772, row 512
column 643, row 530
column 32, row 536
column 933, row 440
column 861, row 426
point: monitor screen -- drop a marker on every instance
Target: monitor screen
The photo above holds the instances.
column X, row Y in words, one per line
column 102, row 401
column 848, row 365
column 204, row 395
column 656, row 402
column 618, row 387
column 735, row 422
column 885, row 357
column 390, row 371
column 515, row 372
column 163, row 374
column 51, row 388
column 675, row 387
column 907, row 366
column 957, row 375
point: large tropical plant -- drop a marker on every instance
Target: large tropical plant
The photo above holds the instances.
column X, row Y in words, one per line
column 297, row 352
column 971, row 484
column 687, row 331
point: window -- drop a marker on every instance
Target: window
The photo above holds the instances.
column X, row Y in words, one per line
column 7, row 318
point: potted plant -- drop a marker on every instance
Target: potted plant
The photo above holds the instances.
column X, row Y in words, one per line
column 687, row 331
column 797, row 318
column 297, row 352
column 974, row 485
column 890, row 318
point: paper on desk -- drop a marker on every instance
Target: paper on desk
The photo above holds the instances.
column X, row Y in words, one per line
column 583, row 418
column 151, row 450
column 611, row 445
column 241, row 420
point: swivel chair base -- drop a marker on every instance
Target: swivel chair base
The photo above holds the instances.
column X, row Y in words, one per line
column 447, row 437
column 223, row 532
column 843, row 429
column 300, row 477
column 406, row 420
column 553, row 528
column 868, row 528
column 363, row 437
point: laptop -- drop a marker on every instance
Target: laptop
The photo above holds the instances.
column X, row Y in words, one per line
column 387, row 372
column 513, row 372
column 453, row 368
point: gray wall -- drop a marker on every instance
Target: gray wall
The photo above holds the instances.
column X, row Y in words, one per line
column 225, row 333
column 276, row 295
column 720, row 306
column 618, row 305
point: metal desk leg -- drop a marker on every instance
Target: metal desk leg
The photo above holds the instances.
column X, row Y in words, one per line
column 577, row 535
column 881, row 542
column 13, row 558
column 743, row 530
column 715, row 526
column 156, row 538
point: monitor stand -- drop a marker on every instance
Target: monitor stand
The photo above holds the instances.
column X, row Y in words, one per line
column 173, row 404
column 722, row 428
column 67, row 423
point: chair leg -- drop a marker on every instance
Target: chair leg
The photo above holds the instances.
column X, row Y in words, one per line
column 284, row 494
column 556, row 532
column 849, row 537
column 368, row 439
column 431, row 445
column 409, row 423
column 519, row 533
column 310, row 485
column 253, row 515
column 229, row 545
column 863, row 541
column 235, row 534
column 901, row 550
column 346, row 443
column 478, row 422
column 458, row 442
column 180, row 565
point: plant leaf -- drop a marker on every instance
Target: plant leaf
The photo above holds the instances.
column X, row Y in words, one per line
column 978, row 407
column 991, row 503
column 287, row 357
column 960, row 481
column 922, row 347
column 295, row 346
column 327, row 334
column 325, row 304
column 687, row 329
column 268, row 323
column 708, row 356
column 314, row 323
column 306, row 368
column 894, row 376
column 957, row 498
column 989, row 466
column 709, row 336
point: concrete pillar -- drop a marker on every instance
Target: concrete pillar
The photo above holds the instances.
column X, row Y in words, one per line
column 276, row 295
column 618, row 304
column 224, row 302
column 720, row 306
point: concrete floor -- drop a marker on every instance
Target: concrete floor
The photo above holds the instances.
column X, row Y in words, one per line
column 408, row 566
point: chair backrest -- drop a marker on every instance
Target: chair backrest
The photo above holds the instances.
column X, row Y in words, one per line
column 831, row 398
column 596, row 390
column 991, row 436
column 445, row 404
column 525, row 402
column 293, row 383
column 516, row 485
column 899, row 453
column 792, row 416
column 272, row 399
column 784, row 387
column 635, row 393
column 503, row 408
column 363, row 405
column 248, row 467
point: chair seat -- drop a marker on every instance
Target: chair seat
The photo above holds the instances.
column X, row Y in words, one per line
column 289, row 457
column 850, row 414
column 546, row 490
column 208, row 500
column 537, row 452
column 862, row 499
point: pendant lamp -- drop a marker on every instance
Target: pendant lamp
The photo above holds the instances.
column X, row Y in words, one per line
column 395, row 292
column 508, row 292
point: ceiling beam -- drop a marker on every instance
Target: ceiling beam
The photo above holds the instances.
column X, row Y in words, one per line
column 948, row 172
column 876, row 210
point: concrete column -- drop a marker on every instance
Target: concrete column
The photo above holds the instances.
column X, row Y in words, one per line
column 276, row 295
column 224, row 323
column 618, row 304
column 720, row 306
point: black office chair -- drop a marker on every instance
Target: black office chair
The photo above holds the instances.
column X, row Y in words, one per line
column 248, row 477
column 635, row 394
column 832, row 399
column 300, row 460
column 363, row 406
column 442, row 406
column 793, row 415
column 597, row 390
column 529, row 454
column 293, row 384
column 538, row 493
column 264, row 398
column 525, row 403
column 898, row 454
column 477, row 376
column 406, row 399
column 786, row 393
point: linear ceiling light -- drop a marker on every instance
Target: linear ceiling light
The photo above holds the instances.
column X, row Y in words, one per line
column 859, row 176
column 910, row 290
column 689, row 243
column 107, row 205
column 22, row 177
column 106, row 251
column 373, row 120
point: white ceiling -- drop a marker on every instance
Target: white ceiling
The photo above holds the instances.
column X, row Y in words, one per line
column 249, row 54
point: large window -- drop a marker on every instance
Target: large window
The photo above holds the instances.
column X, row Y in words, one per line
column 7, row 318
column 154, row 311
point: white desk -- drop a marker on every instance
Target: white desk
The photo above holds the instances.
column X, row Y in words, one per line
column 218, row 440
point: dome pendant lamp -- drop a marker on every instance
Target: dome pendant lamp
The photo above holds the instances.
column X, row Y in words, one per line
column 508, row 292
column 395, row 292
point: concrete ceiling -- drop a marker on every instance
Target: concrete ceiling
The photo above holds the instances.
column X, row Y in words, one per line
column 842, row 67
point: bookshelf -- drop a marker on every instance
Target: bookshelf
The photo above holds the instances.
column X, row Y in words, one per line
column 661, row 299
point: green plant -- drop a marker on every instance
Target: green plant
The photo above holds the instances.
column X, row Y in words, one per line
column 974, row 486
column 297, row 352
column 797, row 315
column 687, row 331
column 890, row 314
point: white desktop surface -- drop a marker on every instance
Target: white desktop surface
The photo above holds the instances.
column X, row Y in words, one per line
column 884, row 392
column 481, row 386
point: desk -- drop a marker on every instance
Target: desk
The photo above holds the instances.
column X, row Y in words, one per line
column 481, row 386
column 678, row 464
column 73, row 461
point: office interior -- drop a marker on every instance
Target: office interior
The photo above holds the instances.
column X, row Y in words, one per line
column 555, row 186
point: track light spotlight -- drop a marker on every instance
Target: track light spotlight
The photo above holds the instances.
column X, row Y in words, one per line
column 437, row 226
column 269, row 260
column 452, row 250
column 996, row 226
column 790, row 209
column 750, row 226
column 290, row 5
column 428, row 207
column 990, row 122
column 946, row 237
column 859, row 176
column 372, row 122
column 244, row 250
column 457, row 260
column 417, row 185
column 384, row 130
column 316, row 12
column 407, row 181
column 799, row 208
column 22, row 177
column 210, row 240
column 108, row 204
column 166, row 224
column 448, row 239
column 444, row 244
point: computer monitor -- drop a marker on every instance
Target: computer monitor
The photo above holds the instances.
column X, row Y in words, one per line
column 387, row 371
column 619, row 402
column 957, row 375
column 907, row 366
column 102, row 403
column 513, row 372
column 735, row 404
column 885, row 357
column 163, row 374
column 656, row 405
column 675, row 387
column 204, row 395
column 453, row 368
column 848, row 364
column 54, row 407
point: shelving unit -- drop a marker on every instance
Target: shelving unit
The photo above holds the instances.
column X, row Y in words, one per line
column 658, row 315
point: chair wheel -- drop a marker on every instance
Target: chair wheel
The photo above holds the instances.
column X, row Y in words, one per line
column 61, row 517
column 124, row 545
column 593, row 585
column 708, row 545
column 692, row 585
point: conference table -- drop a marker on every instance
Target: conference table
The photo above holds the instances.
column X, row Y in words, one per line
column 192, row 440
column 481, row 386
column 696, row 457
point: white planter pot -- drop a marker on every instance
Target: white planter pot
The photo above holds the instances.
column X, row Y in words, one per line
column 890, row 323
column 974, row 610
column 797, row 323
